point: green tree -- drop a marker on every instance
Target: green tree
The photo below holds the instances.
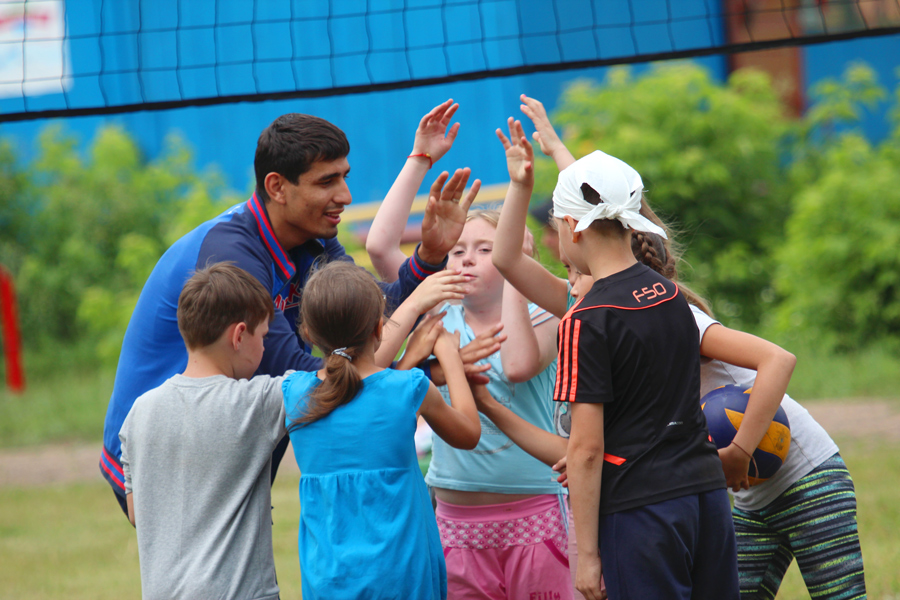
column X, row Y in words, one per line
column 711, row 159
column 839, row 269
column 15, row 235
column 96, row 225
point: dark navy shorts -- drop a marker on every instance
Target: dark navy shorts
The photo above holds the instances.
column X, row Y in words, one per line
column 680, row 549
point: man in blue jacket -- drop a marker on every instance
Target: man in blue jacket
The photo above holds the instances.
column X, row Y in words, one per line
column 290, row 222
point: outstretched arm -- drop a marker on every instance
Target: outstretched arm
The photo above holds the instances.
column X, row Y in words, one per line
column 433, row 140
column 547, row 447
column 457, row 423
column 529, row 348
column 436, row 289
column 774, row 367
column 420, row 344
column 525, row 274
column 545, row 135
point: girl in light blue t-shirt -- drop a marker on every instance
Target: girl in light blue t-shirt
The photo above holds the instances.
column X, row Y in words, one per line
column 498, row 508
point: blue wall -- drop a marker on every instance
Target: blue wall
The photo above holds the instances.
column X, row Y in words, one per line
column 881, row 53
column 379, row 125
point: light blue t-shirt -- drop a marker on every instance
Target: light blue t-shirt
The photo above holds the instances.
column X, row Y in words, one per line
column 497, row 464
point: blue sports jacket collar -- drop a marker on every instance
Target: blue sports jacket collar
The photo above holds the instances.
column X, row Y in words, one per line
column 267, row 235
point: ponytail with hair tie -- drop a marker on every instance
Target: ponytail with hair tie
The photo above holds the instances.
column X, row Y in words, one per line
column 341, row 308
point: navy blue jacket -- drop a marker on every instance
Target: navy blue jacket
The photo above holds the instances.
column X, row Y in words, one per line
column 153, row 349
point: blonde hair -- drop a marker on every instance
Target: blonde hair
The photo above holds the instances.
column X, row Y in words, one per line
column 492, row 216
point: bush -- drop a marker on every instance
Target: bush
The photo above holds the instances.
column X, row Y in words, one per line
column 93, row 229
column 839, row 269
column 710, row 157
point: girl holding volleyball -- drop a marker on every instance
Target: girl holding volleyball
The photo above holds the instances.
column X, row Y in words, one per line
column 808, row 509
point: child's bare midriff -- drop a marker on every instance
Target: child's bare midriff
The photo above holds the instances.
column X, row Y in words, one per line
column 463, row 498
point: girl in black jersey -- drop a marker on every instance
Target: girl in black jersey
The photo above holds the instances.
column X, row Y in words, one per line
column 628, row 363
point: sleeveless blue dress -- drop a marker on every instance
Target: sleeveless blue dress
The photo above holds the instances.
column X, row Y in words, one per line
column 367, row 527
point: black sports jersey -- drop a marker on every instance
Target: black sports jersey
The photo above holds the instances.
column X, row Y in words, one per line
column 631, row 343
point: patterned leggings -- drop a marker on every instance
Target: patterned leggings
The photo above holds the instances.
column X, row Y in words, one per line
column 813, row 521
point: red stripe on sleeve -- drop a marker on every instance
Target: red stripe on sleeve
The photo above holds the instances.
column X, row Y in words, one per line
column 574, row 377
column 560, row 361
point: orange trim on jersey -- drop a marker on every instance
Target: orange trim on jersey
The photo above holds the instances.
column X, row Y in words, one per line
column 572, row 309
column 561, row 359
column 616, row 460
column 673, row 296
column 573, row 382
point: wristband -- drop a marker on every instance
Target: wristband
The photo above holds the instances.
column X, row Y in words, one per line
column 423, row 155
column 752, row 458
column 742, row 450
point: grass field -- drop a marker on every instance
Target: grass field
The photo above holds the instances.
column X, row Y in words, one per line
column 72, row 541
column 71, row 406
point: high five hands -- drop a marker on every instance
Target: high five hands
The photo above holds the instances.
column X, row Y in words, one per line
column 445, row 214
column 519, row 154
column 433, row 138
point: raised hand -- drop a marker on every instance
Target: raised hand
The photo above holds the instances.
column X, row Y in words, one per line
column 519, row 154
column 447, row 344
column 485, row 344
column 432, row 136
column 545, row 135
column 445, row 214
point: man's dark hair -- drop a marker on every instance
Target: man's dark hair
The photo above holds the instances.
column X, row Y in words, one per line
column 290, row 146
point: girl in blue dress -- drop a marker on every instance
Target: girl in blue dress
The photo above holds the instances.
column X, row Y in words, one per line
column 367, row 527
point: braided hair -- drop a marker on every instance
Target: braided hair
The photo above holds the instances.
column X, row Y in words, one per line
column 657, row 253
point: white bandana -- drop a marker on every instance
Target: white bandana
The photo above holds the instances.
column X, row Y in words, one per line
column 620, row 188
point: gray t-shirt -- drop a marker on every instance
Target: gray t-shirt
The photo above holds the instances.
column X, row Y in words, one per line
column 810, row 443
column 197, row 455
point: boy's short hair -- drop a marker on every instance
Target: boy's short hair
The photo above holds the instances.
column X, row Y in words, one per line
column 216, row 297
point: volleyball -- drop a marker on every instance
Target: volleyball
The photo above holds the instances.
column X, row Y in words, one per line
column 724, row 409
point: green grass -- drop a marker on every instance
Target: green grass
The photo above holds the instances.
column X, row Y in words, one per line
column 874, row 467
column 73, row 542
column 56, row 409
column 871, row 372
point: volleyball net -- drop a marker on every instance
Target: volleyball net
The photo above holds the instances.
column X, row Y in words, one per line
column 63, row 58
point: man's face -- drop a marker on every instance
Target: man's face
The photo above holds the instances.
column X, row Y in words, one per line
column 313, row 207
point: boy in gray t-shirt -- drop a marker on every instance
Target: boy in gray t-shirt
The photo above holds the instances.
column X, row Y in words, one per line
column 197, row 451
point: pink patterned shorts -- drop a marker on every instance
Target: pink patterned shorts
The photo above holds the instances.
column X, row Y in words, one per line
column 506, row 551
